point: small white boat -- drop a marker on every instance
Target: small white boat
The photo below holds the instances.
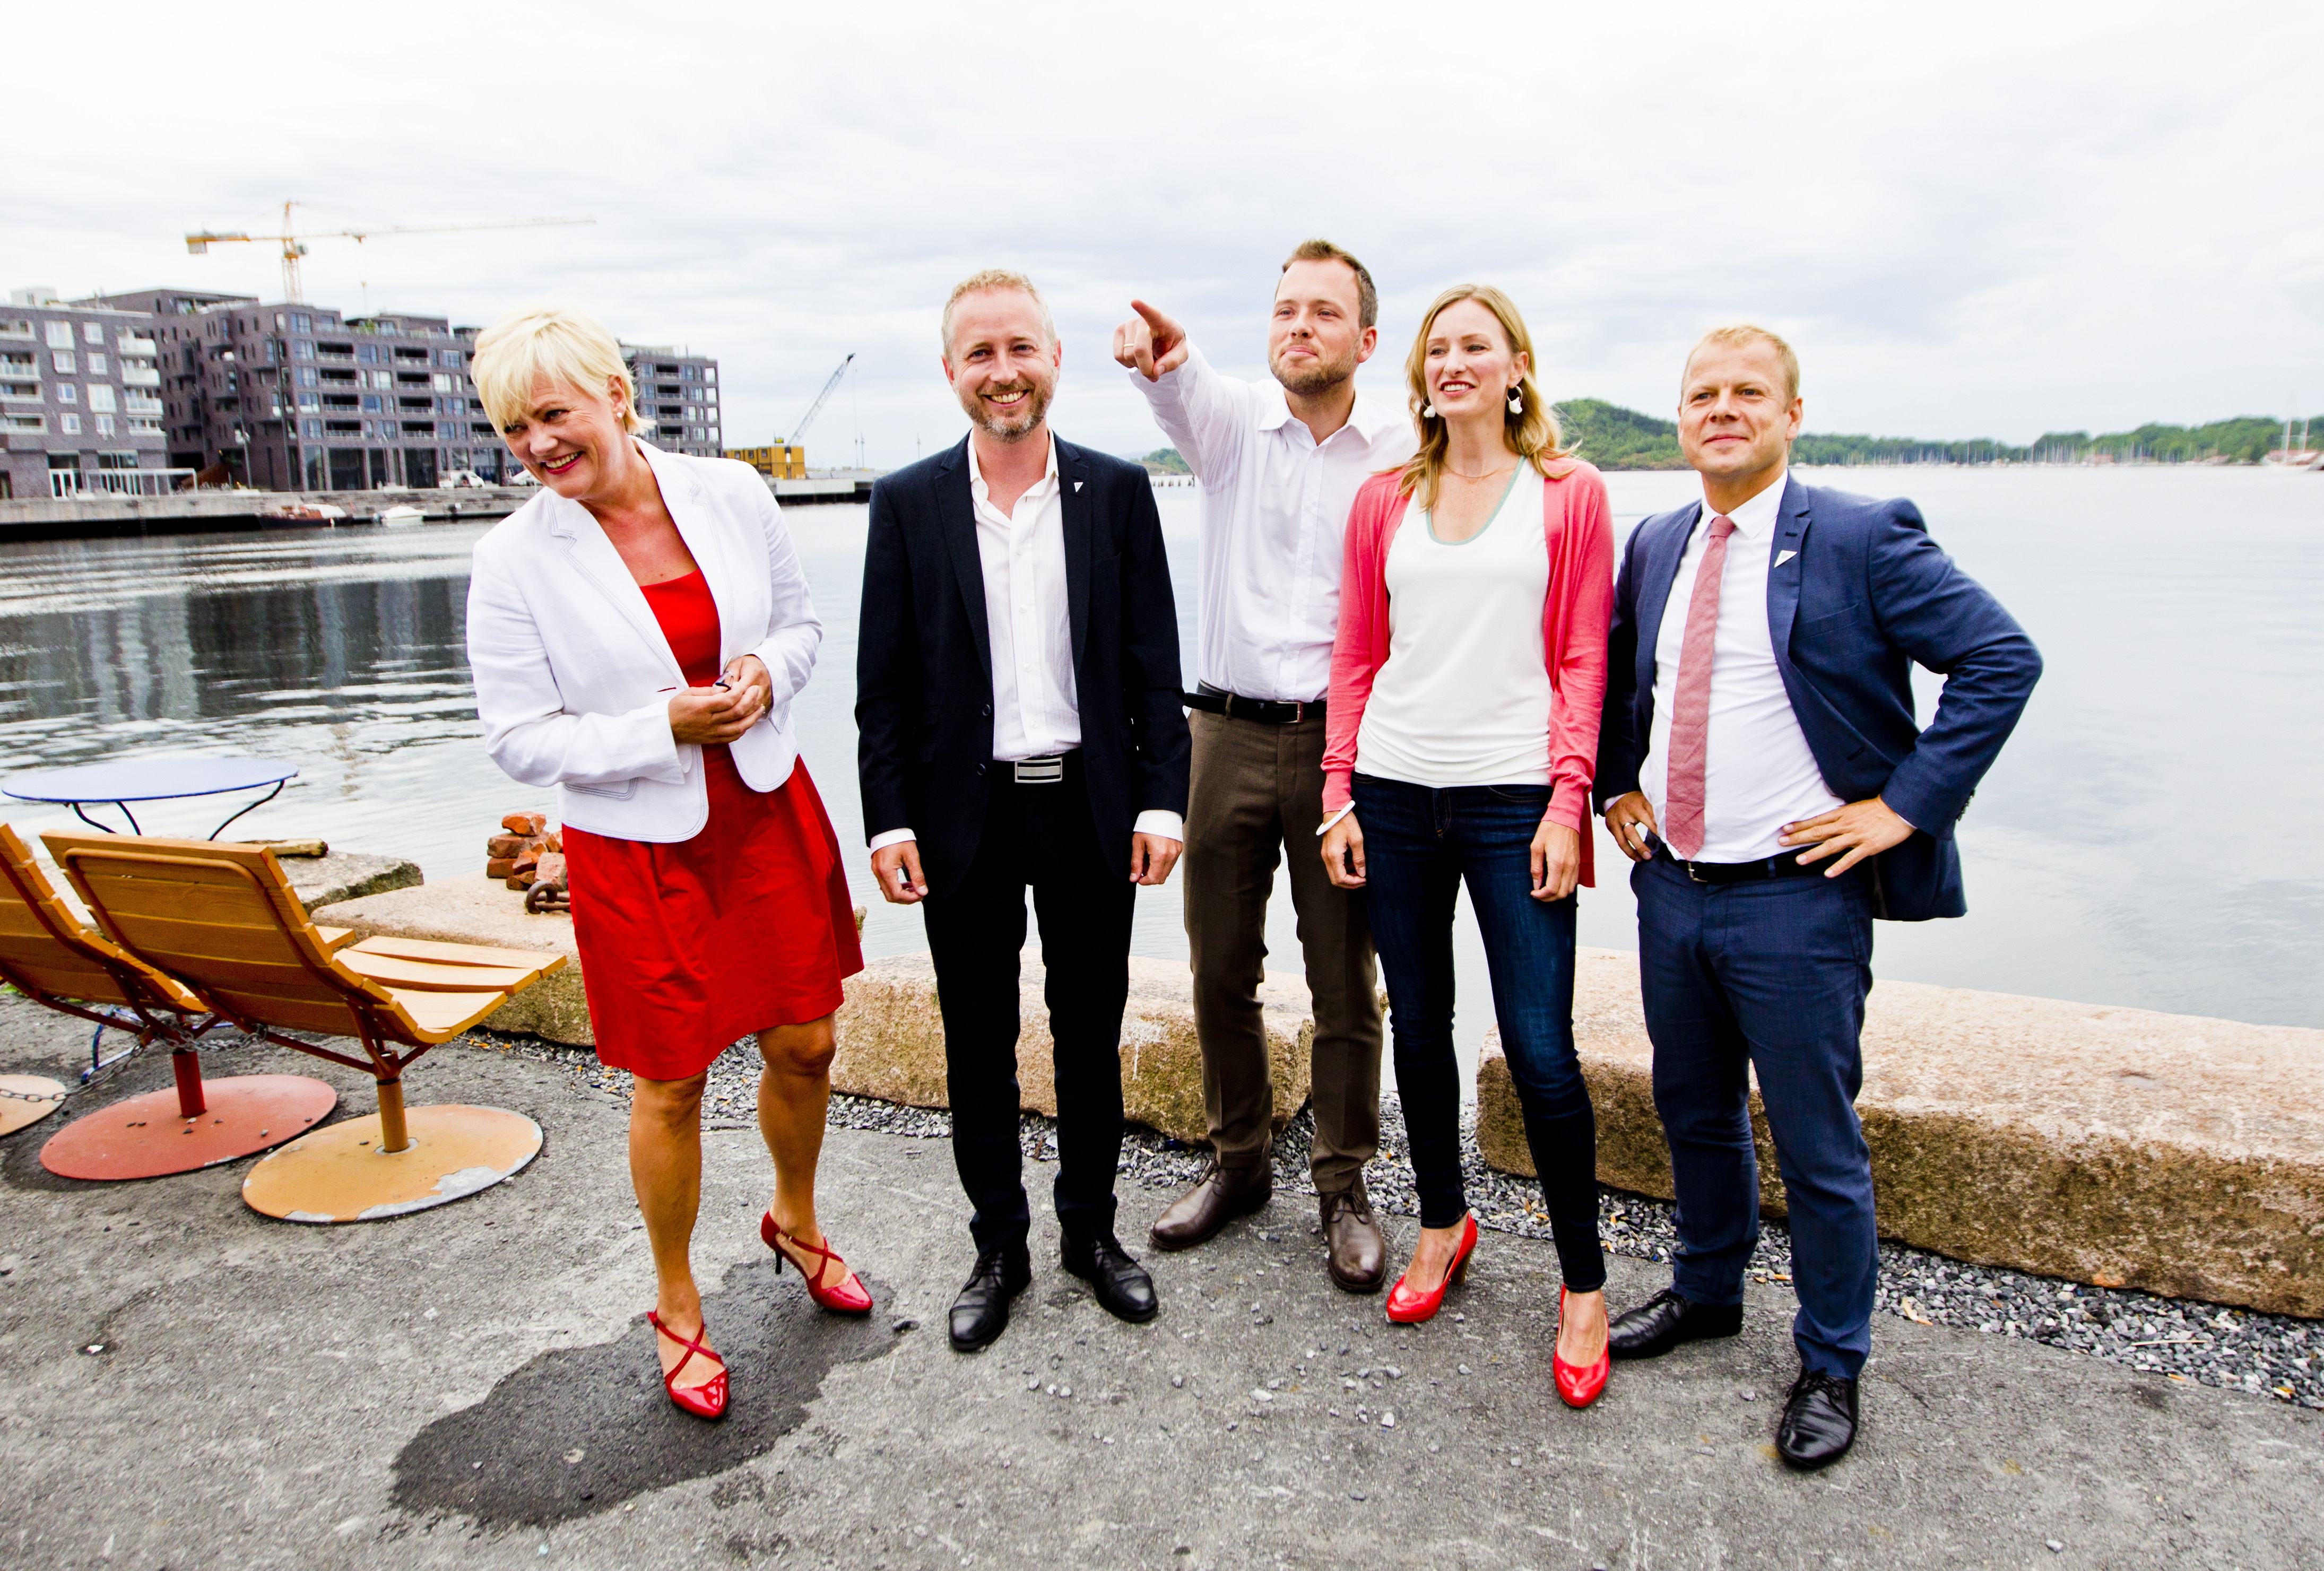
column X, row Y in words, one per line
column 403, row 516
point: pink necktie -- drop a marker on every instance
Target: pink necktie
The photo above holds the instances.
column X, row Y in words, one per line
column 1690, row 733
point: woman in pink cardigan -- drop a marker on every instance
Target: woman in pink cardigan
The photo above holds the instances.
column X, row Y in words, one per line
column 1461, row 731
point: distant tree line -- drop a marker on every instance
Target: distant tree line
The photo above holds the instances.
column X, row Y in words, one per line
column 1614, row 437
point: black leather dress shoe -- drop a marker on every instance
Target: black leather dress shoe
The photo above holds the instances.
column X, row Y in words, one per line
column 1819, row 1420
column 981, row 1313
column 1116, row 1281
column 1665, row 1320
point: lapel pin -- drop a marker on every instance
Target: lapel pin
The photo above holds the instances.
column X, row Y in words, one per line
column 1078, row 484
column 1783, row 557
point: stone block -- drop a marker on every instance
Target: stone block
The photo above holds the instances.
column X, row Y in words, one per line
column 478, row 911
column 891, row 1042
column 344, row 875
column 2180, row 1155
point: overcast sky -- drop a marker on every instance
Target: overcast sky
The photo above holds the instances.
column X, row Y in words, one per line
column 1973, row 219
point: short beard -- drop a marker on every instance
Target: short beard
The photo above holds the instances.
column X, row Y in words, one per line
column 1013, row 428
column 1323, row 377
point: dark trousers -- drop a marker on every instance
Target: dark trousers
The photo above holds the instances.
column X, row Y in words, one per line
column 1039, row 837
column 1768, row 976
column 1258, row 788
column 1421, row 844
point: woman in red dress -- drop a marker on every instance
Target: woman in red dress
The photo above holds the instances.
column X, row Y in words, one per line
column 637, row 633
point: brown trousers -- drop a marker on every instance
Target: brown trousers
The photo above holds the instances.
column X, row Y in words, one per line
column 1257, row 791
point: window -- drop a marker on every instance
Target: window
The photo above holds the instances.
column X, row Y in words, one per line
column 104, row 425
column 710, row 394
column 93, row 331
column 301, row 323
column 450, row 357
column 689, row 375
column 140, row 425
column 68, row 393
column 64, row 362
column 370, row 403
column 95, row 365
column 308, row 401
column 367, row 353
column 69, row 424
column 15, row 327
column 301, row 349
column 710, row 374
column 100, row 397
column 61, row 334
column 24, row 422
column 306, row 376
column 314, row 428
column 443, row 384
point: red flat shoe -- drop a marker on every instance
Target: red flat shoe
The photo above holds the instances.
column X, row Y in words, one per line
column 849, row 1298
column 706, row 1401
column 1408, row 1306
column 1577, row 1387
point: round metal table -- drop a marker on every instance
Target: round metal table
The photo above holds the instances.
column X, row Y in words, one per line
column 150, row 780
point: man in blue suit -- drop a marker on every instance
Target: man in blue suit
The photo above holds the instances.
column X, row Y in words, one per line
column 1760, row 762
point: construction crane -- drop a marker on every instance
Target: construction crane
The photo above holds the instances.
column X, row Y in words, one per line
column 799, row 432
column 294, row 247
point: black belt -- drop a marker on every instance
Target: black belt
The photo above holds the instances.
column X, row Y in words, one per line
column 1266, row 711
column 1786, row 866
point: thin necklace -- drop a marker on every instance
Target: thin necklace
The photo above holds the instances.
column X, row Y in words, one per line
column 1488, row 475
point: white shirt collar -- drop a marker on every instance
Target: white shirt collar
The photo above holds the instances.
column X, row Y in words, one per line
column 976, row 470
column 1756, row 517
column 1368, row 418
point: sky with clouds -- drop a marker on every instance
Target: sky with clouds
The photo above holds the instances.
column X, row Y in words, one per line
column 1975, row 220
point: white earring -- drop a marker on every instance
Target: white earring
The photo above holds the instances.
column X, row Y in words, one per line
column 1428, row 412
column 1516, row 401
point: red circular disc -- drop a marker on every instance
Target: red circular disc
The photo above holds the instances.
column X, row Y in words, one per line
column 144, row 1137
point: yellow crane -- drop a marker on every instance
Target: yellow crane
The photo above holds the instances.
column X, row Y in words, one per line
column 294, row 245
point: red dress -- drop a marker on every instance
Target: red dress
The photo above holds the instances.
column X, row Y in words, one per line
column 686, row 949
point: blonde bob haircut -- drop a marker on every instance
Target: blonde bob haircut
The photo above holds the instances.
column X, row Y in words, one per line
column 1532, row 432
column 567, row 347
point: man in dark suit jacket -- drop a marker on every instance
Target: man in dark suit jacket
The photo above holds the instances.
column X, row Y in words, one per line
column 1017, row 700
column 1758, row 700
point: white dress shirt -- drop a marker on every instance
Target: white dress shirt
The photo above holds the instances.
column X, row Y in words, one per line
column 1036, row 710
column 1759, row 773
column 1275, row 509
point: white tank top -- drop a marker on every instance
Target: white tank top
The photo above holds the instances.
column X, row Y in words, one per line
column 1463, row 697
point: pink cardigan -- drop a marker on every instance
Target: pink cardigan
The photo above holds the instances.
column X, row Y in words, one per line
column 1573, row 621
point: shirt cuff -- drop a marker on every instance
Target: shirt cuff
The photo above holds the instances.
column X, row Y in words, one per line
column 1324, row 827
column 1162, row 822
column 887, row 838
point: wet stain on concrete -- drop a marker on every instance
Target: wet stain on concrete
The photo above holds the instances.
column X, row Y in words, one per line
column 582, row 1430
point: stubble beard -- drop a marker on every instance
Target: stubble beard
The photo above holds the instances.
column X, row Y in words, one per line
column 1321, row 376
column 1015, row 427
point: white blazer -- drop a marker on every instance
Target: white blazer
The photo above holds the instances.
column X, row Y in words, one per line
column 574, row 677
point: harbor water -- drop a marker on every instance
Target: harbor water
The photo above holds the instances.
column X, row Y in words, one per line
column 2154, row 835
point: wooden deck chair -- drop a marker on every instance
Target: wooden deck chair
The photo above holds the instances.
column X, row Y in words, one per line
column 223, row 918
column 47, row 955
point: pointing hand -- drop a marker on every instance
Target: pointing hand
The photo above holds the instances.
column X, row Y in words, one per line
column 1149, row 343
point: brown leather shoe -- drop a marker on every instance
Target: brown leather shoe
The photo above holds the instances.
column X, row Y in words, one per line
column 1224, row 1195
column 1356, row 1250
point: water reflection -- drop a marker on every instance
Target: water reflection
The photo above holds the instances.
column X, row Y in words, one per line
column 2144, row 841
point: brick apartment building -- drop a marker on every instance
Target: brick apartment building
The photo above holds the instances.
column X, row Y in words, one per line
column 678, row 391
column 78, row 398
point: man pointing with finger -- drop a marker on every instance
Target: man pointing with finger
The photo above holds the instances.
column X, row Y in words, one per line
column 1760, row 761
column 1279, row 462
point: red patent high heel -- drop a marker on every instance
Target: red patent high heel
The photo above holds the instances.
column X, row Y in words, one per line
column 1408, row 1305
column 706, row 1401
column 1578, row 1386
column 849, row 1298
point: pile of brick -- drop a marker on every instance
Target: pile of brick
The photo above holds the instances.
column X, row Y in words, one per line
column 526, row 852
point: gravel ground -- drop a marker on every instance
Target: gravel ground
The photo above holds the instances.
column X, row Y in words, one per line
column 2183, row 1339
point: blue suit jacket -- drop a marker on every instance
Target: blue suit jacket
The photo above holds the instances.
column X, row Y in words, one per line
column 1866, row 596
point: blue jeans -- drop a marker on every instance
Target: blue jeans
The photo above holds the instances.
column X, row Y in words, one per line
column 1421, row 842
column 1768, row 976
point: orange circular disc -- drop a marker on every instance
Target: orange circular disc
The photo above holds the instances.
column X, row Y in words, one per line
column 146, row 1137
column 339, row 1174
column 26, row 1099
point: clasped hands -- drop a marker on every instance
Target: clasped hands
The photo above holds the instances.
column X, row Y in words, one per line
column 1858, row 830
column 712, row 716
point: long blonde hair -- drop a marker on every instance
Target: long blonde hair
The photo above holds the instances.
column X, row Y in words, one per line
column 1534, row 432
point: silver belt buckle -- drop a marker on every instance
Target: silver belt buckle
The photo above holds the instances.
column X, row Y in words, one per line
column 1049, row 770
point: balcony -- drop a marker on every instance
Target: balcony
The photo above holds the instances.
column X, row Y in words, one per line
column 71, row 483
column 21, row 392
column 133, row 405
column 138, row 350
column 136, row 376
